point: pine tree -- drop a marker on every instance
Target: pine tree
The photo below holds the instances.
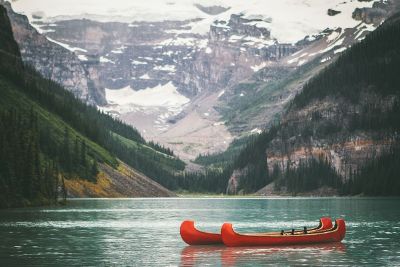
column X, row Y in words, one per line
column 94, row 170
column 83, row 153
column 66, row 151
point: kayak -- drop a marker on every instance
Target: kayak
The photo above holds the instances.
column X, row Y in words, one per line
column 233, row 239
column 192, row 236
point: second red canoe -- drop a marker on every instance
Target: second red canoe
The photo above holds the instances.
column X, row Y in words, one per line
column 234, row 239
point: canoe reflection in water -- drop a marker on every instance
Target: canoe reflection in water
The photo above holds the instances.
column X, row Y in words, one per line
column 219, row 255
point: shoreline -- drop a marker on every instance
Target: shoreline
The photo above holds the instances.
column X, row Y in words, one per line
column 200, row 197
column 205, row 197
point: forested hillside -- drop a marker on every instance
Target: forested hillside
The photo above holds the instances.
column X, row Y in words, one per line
column 340, row 133
column 47, row 135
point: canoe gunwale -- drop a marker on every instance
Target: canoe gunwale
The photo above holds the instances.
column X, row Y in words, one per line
column 333, row 229
column 319, row 228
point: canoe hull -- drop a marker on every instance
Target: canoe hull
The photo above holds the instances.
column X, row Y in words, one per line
column 192, row 236
column 233, row 239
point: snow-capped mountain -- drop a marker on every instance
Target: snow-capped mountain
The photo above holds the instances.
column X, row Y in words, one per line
column 288, row 21
column 164, row 66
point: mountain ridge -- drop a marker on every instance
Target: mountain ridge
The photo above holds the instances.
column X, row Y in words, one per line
column 130, row 55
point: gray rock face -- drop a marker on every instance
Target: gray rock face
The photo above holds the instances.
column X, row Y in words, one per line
column 233, row 183
column 372, row 15
column 237, row 25
column 143, row 55
column 243, row 26
column 140, row 55
column 332, row 12
column 344, row 151
column 236, row 49
column 379, row 11
column 51, row 60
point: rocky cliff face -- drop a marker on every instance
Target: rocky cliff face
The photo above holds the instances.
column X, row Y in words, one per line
column 374, row 14
column 143, row 55
column 233, row 184
column 10, row 56
column 50, row 59
column 236, row 49
column 313, row 132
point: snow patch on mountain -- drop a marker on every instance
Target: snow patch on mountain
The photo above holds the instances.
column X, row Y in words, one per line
column 83, row 58
column 363, row 28
column 67, row 46
column 256, row 131
column 258, row 67
column 119, row 50
column 167, row 68
column 158, row 104
column 300, row 60
column 106, row 60
column 325, row 59
column 137, row 62
column 334, row 39
column 339, row 50
column 161, row 95
column 145, row 77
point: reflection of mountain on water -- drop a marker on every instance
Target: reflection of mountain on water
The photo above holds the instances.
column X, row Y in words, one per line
column 220, row 255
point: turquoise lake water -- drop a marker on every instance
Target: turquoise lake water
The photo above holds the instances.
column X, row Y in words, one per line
column 145, row 232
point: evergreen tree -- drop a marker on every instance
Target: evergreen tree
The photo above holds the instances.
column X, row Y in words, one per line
column 94, row 170
column 67, row 162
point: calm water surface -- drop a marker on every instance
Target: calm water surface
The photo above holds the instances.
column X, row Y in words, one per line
column 145, row 232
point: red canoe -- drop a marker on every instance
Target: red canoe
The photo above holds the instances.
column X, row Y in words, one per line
column 233, row 239
column 192, row 236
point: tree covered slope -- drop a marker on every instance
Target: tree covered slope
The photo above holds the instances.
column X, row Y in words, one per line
column 341, row 132
column 48, row 136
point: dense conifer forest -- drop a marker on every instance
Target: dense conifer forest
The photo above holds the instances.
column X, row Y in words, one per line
column 369, row 65
column 23, row 174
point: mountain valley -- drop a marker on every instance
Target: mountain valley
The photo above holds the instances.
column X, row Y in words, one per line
column 207, row 64
column 196, row 97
